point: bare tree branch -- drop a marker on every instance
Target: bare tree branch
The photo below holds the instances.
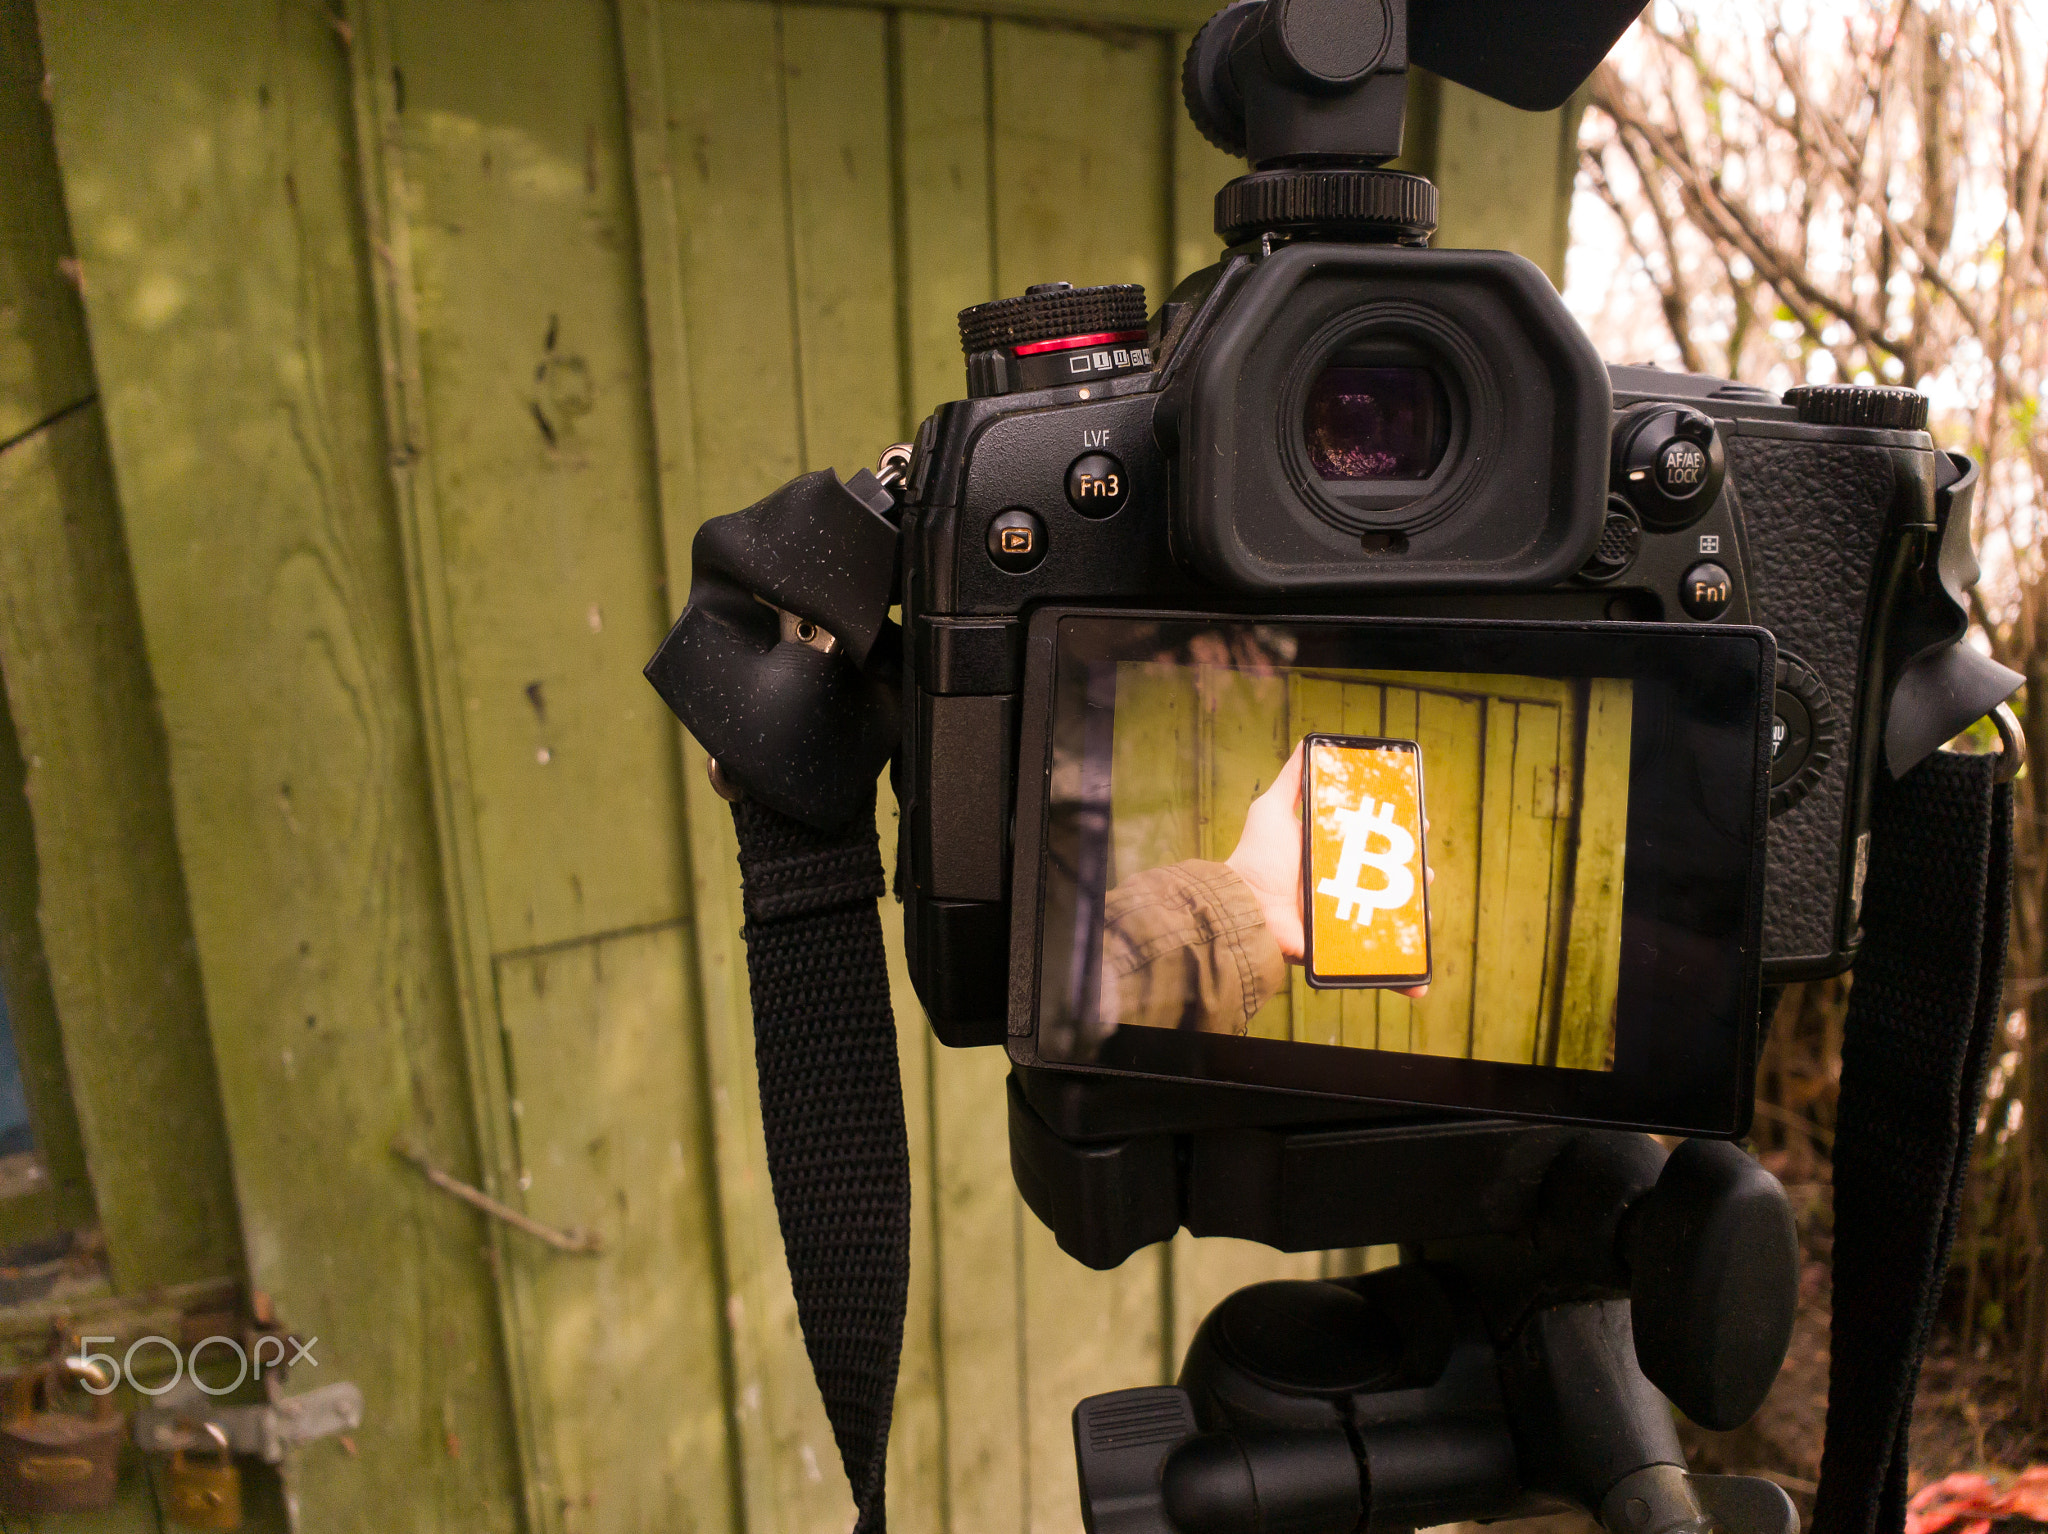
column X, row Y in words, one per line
column 1875, row 189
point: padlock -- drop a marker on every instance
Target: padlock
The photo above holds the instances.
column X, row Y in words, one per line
column 203, row 1495
column 55, row 1461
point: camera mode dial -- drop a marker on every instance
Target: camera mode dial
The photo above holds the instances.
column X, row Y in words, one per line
column 1056, row 334
column 1669, row 462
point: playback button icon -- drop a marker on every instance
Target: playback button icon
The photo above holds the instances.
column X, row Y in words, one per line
column 1016, row 540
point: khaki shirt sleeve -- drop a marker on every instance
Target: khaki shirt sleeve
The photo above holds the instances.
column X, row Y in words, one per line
column 1187, row 947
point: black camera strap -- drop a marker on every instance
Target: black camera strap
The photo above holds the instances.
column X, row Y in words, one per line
column 1923, row 1017
column 832, row 1113
column 1923, row 1022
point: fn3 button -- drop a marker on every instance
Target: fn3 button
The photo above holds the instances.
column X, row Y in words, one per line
column 1097, row 485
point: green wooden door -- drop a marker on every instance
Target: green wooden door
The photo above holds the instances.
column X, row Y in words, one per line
column 425, row 333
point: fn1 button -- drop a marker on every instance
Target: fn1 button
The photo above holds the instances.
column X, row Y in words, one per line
column 1097, row 485
column 1706, row 591
column 1016, row 540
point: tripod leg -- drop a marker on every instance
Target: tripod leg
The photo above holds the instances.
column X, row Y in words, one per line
column 1591, row 1428
column 1662, row 1499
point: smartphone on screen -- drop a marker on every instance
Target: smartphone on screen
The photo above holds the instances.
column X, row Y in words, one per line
column 1364, row 869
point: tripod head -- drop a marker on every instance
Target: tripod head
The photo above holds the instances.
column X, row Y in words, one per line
column 1557, row 1285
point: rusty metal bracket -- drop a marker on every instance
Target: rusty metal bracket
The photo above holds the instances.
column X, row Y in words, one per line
column 584, row 1242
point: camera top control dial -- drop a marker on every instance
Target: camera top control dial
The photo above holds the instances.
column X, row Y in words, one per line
column 1055, row 335
column 1669, row 462
column 1878, row 406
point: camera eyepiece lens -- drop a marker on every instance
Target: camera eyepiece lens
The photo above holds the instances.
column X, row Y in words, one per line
column 1376, row 423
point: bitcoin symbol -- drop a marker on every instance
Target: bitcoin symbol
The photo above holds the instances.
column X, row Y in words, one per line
column 1369, row 820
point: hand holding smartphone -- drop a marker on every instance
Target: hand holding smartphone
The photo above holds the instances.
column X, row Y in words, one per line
column 1364, row 868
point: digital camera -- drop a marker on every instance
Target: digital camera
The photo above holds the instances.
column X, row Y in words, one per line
column 1335, row 717
column 1646, row 637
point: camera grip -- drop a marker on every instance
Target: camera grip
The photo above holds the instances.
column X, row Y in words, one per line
column 1818, row 518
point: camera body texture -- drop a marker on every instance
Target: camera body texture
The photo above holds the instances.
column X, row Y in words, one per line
column 1311, row 428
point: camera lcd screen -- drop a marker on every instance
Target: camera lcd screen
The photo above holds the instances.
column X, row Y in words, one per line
column 1506, row 867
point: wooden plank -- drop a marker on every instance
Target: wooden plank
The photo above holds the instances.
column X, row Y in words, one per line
column 628, row 1352
column 60, row 1196
column 511, row 137
column 1505, row 175
column 737, row 374
column 459, row 746
column 947, row 242
column 976, row 1218
column 1449, row 728
column 1592, row 965
column 217, row 221
column 1205, row 1271
column 45, row 362
column 1077, row 199
column 726, row 143
column 533, row 358
column 1199, row 171
column 842, row 234
column 843, row 165
column 1496, row 891
column 1084, row 1332
column 1105, row 14
column 982, row 1296
column 45, row 376
column 1555, row 794
column 111, row 919
column 1478, row 684
column 918, row 1476
column 823, row 108
column 1152, row 773
column 1080, row 155
column 1521, row 751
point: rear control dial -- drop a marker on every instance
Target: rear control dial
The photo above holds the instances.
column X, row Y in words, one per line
column 1802, row 733
column 1668, row 461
